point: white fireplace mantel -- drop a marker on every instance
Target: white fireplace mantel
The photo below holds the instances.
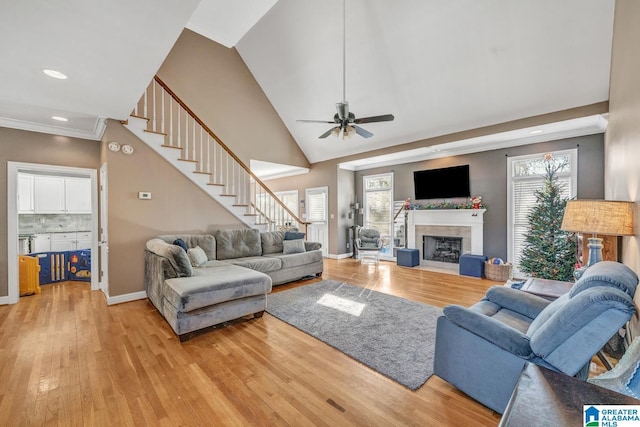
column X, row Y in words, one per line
column 472, row 218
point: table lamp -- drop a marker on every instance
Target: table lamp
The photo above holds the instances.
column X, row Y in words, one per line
column 606, row 217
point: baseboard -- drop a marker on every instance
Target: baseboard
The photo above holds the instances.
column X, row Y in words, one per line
column 134, row 296
column 4, row 300
column 339, row 256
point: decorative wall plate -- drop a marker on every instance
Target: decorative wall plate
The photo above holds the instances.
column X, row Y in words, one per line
column 127, row 149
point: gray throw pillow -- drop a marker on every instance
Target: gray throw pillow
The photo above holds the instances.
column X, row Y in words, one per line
column 197, row 256
column 293, row 246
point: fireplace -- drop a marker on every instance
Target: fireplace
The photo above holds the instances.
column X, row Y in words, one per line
column 463, row 224
column 442, row 248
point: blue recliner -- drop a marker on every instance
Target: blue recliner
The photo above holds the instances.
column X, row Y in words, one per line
column 482, row 349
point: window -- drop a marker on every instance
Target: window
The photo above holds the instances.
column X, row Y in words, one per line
column 290, row 200
column 316, row 206
column 525, row 177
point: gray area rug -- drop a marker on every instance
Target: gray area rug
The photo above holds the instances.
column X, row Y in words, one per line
column 391, row 335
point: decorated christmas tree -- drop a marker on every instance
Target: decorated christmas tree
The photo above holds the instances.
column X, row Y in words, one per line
column 549, row 252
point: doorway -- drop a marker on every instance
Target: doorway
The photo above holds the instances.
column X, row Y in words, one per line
column 378, row 209
column 13, row 169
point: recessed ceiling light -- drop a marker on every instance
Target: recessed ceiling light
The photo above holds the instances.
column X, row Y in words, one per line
column 55, row 74
column 60, row 118
column 537, row 131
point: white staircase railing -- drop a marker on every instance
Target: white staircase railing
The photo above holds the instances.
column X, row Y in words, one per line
column 166, row 114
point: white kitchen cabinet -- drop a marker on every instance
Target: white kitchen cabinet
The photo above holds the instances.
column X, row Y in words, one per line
column 63, row 242
column 41, row 243
column 49, row 194
column 70, row 241
column 83, row 240
column 25, row 193
column 77, row 194
column 60, row 195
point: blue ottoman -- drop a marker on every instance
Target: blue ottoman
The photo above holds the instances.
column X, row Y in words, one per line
column 472, row 265
column 408, row 257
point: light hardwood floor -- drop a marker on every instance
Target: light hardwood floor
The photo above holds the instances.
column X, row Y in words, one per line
column 68, row 359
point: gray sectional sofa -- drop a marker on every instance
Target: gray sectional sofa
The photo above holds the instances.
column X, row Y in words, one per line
column 223, row 276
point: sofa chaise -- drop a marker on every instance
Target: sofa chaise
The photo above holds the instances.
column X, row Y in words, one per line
column 199, row 281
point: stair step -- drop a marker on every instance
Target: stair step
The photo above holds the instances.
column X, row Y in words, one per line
column 139, row 117
column 157, row 133
column 245, row 213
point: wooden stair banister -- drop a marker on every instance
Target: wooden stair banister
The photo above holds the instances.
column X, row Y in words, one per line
column 194, row 148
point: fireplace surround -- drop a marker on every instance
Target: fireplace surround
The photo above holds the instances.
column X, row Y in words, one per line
column 466, row 224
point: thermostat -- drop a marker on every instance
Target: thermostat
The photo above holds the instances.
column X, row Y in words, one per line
column 144, row 195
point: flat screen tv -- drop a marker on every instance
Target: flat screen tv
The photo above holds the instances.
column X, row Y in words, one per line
column 445, row 183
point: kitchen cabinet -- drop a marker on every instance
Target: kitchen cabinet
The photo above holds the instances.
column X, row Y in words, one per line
column 77, row 195
column 70, row 241
column 41, row 243
column 25, row 193
column 84, row 239
column 58, row 194
column 49, row 194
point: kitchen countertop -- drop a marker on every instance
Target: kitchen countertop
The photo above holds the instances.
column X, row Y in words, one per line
column 34, row 233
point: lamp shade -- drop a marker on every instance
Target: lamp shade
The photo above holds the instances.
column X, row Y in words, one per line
column 604, row 217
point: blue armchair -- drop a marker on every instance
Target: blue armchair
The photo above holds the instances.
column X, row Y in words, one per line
column 482, row 349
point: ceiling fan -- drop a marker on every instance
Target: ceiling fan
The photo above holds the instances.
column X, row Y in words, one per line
column 345, row 121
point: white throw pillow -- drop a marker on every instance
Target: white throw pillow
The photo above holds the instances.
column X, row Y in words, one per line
column 197, row 256
column 293, row 246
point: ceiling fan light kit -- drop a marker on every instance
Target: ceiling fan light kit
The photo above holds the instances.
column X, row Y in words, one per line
column 344, row 119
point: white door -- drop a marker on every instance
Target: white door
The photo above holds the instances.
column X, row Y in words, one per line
column 317, row 212
column 378, row 209
column 103, row 244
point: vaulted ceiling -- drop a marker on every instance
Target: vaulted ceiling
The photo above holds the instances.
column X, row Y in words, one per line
column 439, row 67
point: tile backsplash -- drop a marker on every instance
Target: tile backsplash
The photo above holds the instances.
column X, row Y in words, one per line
column 52, row 223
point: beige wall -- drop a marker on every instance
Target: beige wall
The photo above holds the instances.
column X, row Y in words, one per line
column 622, row 138
column 217, row 85
column 176, row 206
column 31, row 147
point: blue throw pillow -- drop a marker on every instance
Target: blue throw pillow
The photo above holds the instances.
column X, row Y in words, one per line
column 181, row 243
column 293, row 235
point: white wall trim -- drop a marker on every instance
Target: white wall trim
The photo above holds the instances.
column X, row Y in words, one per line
column 339, row 256
column 95, row 134
column 134, row 296
column 4, row 300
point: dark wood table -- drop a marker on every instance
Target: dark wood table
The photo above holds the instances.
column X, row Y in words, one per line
column 546, row 398
column 550, row 289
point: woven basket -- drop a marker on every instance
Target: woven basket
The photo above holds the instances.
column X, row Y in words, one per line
column 497, row 272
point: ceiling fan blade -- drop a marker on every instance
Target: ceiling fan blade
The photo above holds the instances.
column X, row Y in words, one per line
column 362, row 132
column 327, row 133
column 315, row 121
column 383, row 118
